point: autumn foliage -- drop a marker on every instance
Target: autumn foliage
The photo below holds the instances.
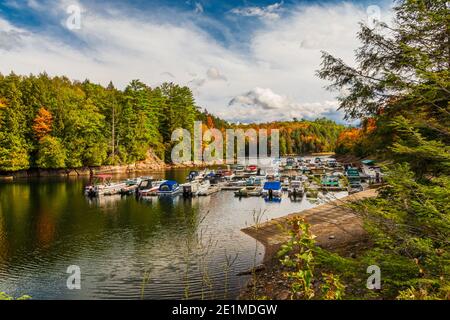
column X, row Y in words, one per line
column 356, row 140
column 42, row 123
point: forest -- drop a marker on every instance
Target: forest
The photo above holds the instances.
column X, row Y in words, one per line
column 54, row 123
column 304, row 136
column 400, row 91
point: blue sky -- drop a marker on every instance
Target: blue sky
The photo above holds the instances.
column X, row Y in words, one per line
column 245, row 60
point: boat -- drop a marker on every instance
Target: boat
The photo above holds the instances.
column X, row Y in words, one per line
column 253, row 181
column 148, row 187
column 190, row 189
column 169, row 188
column 290, row 162
column 260, row 174
column 103, row 185
column 213, row 177
column 203, row 187
column 354, row 187
column 234, row 185
column 332, row 163
column 305, row 170
column 131, row 186
column 352, row 173
column 373, row 173
column 285, row 184
column 272, row 175
column 207, row 189
column 272, row 189
column 296, row 189
column 251, row 170
column 249, row 191
column 330, row 181
column 226, row 174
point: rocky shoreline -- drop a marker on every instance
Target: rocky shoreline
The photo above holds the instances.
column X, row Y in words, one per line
column 151, row 163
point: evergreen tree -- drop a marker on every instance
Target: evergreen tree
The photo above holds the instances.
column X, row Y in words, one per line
column 400, row 90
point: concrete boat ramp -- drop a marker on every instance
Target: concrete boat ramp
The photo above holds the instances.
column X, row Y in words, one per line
column 333, row 223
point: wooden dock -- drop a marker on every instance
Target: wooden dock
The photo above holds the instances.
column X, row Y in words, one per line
column 332, row 223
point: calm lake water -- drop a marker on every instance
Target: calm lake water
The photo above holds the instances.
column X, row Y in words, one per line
column 178, row 245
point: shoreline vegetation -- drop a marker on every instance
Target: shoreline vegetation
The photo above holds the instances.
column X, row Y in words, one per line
column 400, row 91
column 53, row 123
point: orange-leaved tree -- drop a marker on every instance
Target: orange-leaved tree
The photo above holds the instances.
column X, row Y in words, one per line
column 42, row 123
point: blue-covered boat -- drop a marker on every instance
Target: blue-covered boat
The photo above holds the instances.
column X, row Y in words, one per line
column 169, row 188
column 272, row 189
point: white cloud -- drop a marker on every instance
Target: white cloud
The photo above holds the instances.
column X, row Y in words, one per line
column 271, row 105
column 214, row 74
column 281, row 57
column 264, row 98
column 34, row 4
column 271, row 12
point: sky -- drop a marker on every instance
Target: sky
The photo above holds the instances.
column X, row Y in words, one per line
column 245, row 61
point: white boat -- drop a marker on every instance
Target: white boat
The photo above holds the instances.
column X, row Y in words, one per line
column 332, row 163
column 285, row 184
column 212, row 189
column 131, row 186
column 105, row 187
column 234, row 185
column 296, row 189
column 148, row 187
column 190, row 189
column 203, row 187
column 249, row 191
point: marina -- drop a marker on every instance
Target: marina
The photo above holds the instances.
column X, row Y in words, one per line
column 296, row 177
column 154, row 226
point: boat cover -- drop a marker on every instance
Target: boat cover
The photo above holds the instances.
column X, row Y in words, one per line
column 169, row 184
column 272, row 185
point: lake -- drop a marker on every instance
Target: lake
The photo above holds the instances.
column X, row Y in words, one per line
column 127, row 248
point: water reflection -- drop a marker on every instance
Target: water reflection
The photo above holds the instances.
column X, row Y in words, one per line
column 47, row 225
